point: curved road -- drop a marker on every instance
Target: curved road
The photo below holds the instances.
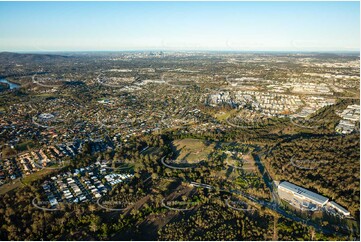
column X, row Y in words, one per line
column 174, row 167
column 273, row 205
column 45, row 209
column 175, row 209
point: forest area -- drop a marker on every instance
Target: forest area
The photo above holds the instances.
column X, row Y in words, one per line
column 328, row 165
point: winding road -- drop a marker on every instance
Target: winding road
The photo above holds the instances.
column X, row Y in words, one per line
column 274, row 203
column 175, row 167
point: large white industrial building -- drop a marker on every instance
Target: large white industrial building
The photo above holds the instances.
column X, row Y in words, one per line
column 305, row 199
column 288, row 191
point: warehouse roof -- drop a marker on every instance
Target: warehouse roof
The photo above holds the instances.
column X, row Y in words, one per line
column 339, row 208
column 302, row 192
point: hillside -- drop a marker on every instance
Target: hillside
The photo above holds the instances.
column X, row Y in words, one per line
column 8, row 57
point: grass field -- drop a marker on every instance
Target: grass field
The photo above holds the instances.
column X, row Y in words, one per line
column 39, row 174
column 192, row 150
column 223, row 115
column 10, row 186
column 249, row 163
column 23, row 146
column 242, row 158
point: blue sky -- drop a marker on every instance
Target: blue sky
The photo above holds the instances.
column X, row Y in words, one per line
column 239, row 26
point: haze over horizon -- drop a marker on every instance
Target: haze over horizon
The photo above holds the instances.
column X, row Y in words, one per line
column 179, row 26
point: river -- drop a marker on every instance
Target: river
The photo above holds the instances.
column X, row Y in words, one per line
column 11, row 84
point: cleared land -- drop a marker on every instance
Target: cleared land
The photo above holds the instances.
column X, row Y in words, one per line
column 223, row 115
column 192, row 150
column 10, row 186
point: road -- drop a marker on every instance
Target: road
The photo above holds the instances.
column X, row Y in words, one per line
column 239, row 209
column 174, row 167
column 45, row 209
column 276, row 200
column 40, row 125
column 111, row 209
column 273, row 206
column 41, row 84
column 175, row 209
column 274, row 203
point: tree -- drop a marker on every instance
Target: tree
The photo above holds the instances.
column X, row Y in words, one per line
column 155, row 176
column 92, row 207
column 8, row 151
column 12, row 230
column 94, row 223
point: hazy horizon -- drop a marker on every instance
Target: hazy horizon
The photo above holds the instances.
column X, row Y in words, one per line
column 180, row 51
column 179, row 26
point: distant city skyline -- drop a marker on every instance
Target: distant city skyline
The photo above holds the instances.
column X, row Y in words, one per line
column 179, row 26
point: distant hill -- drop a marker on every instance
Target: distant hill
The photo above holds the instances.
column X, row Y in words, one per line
column 17, row 57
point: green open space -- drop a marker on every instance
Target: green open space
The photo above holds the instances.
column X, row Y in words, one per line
column 192, row 150
column 10, row 186
column 41, row 174
column 25, row 145
column 224, row 114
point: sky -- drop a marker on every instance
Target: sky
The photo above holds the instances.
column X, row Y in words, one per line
column 231, row 26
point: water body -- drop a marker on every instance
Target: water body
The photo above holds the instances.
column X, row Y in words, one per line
column 12, row 85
